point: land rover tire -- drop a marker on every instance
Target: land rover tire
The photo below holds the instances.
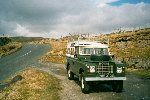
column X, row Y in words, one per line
column 70, row 74
column 118, row 86
column 85, row 88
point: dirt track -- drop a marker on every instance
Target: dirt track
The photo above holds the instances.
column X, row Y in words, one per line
column 134, row 88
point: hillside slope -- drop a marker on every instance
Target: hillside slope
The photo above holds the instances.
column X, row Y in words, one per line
column 131, row 47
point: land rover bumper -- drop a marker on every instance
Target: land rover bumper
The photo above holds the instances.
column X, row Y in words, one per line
column 104, row 78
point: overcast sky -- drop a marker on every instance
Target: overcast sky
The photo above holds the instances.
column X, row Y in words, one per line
column 55, row 18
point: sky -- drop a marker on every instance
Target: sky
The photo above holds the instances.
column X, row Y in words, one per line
column 56, row 18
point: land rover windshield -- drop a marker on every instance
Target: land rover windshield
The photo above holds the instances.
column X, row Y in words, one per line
column 89, row 51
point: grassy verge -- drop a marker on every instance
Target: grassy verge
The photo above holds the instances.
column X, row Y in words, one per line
column 140, row 73
column 9, row 48
column 57, row 52
column 35, row 85
column 54, row 59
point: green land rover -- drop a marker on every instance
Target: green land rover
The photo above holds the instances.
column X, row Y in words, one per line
column 93, row 63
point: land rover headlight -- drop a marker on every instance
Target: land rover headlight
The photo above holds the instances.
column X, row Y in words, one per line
column 92, row 69
column 119, row 69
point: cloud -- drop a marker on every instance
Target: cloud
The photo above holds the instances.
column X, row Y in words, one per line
column 55, row 18
column 23, row 31
column 126, row 15
column 103, row 3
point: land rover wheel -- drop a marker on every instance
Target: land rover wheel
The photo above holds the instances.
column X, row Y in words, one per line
column 117, row 86
column 70, row 74
column 84, row 86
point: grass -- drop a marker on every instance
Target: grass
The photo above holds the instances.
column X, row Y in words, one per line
column 35, row 85
column 140, row 73
column 57, row 52
column 26, row 39
column 55, row 59
column 9, row 48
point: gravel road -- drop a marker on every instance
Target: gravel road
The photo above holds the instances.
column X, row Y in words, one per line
column 27, row 56
column 134, row 87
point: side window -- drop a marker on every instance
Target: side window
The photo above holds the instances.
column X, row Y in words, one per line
column 72, row 51
column 76, row 50
column 81, row 50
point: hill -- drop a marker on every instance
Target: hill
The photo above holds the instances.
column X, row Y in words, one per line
column 26, row 39
column 130, row 47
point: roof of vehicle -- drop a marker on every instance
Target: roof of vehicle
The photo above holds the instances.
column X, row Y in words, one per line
column 90, row 44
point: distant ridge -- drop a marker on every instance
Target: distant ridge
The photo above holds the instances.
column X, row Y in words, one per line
column 26, row 39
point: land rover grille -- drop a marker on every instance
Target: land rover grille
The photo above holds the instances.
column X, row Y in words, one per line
column 105, row 69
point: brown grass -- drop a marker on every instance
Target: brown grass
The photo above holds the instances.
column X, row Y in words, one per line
column 57, row 52
column 141, row 73
column 9, row 48
column 35, row 85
